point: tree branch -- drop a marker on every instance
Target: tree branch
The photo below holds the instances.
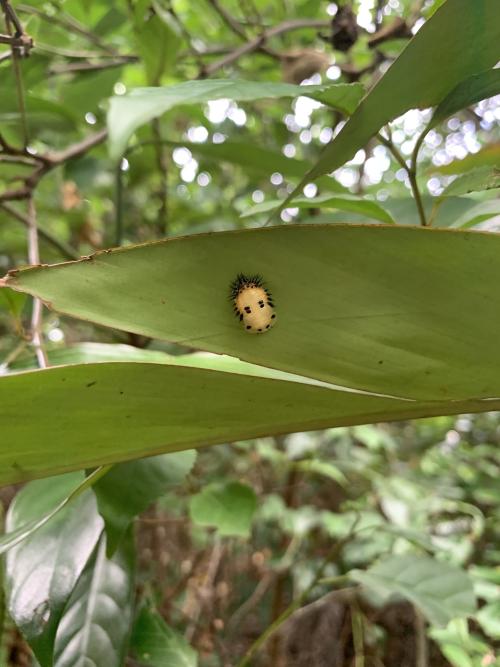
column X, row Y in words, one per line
column 46, row 163
column 260, row 41
column 65, row 250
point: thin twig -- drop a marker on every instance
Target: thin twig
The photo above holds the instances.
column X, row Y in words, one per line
column 46, row 163
column 69, row 23
column 110, row 63
column 66, row 251
column 228, row 19
column 357, row 634
column 421, row 648
column 119, row 205
column 37, row 314
column 258, row 42
column 411, row 171
column 297, row 603
column 206, row 587
column 162, row 163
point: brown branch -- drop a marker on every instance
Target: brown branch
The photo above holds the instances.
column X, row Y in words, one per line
column 46, row 163
column 75, row 150
column 260, row 41
column 91, row 67
column 228, row 19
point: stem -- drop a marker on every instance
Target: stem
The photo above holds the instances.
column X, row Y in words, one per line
column 417, row 196
column 36, row 315
column 421, row 649
column 410, row 170
column 162, row 163
column 66, row 251
column 357, row 635
column 119, row 205
column 295, row 604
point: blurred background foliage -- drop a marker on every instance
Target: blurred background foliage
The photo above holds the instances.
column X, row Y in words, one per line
column 246, row 529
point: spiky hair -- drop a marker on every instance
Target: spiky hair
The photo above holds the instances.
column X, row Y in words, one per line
column 241, row 281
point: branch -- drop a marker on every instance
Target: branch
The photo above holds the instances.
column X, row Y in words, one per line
column 92, row 67
column 69, row 23
column 75, row 150
column 228, row 19
column 260, row 41
column 65, row 250
column 46, row 163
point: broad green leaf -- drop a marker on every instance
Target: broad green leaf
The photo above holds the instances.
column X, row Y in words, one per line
column 110, row 412
column 11, row 539
column 383, row 309
column 461, row 39
column 442, row 592
column 468, row 92
column 128, row 112
column 477, row 180
column 157, row 645
column 129, row 488
column 227, row 507
column 42, row 571
column 95, row 626
column 365, row 207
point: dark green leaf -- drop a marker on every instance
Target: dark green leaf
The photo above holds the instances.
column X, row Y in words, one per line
column 128, row 112
column 468, row 92
column 477, row 180
column 42, row 571
column 157, row 645
column 228, row 507
column 129, row 488
column 364, row 207
column 95, row 626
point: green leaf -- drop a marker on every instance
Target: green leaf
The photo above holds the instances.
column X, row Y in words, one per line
column 442, row 592
column 489, row 619
column 364, row 207
column 11, row 539
column 461, row 39
column 157, row 645
column 468, row 92
column 128, row 112
column 387, row 307
column 129, row 488
column 477, row 180
column 228, row 507
column 42, row 571
column 137, row 409
column 95, row 627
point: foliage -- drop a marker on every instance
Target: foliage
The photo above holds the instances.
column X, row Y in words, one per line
column 176, row 131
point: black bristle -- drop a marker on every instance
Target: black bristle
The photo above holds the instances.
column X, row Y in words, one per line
column 241, row 281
